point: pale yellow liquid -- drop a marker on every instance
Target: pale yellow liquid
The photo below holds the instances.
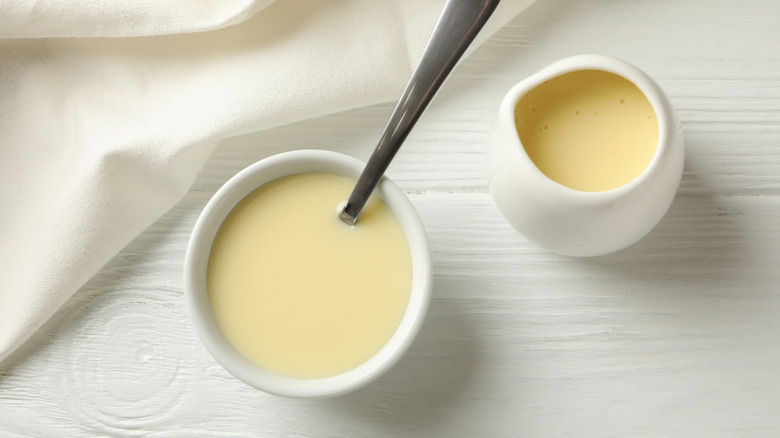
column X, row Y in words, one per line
column 589, row 130
column 297, row 291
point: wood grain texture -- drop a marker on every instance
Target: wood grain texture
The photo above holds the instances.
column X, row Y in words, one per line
column 674, row 336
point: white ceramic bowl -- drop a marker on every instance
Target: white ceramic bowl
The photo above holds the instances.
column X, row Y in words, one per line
column 196, row 262
column 572, row 222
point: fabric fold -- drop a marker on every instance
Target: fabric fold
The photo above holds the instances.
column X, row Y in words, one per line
column 101, row 136
column 123, row 18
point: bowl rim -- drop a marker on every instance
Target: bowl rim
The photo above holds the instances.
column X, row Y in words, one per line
column 196, row 259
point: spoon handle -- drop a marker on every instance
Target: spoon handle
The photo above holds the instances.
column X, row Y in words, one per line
column 458, row 25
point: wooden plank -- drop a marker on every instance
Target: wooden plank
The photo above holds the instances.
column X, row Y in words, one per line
column 675, row 336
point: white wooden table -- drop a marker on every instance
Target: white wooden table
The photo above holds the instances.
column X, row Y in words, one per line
column 678, row 335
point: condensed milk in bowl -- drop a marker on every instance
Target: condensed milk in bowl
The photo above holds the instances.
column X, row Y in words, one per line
column 586, row 156
column 290, row 299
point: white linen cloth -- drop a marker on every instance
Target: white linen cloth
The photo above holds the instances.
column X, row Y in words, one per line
column 108, row 110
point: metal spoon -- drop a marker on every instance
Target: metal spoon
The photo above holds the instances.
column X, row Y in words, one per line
column 458, row 25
